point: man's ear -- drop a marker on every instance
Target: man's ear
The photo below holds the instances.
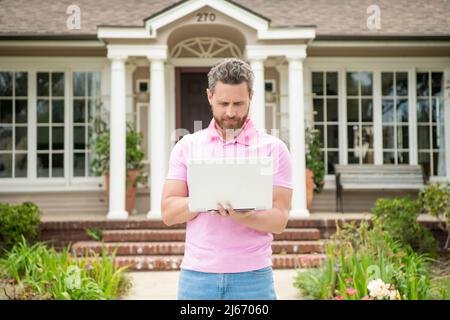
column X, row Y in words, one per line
column 209, row 95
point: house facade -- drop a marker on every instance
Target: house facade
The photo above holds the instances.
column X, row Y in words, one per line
column 373, row 80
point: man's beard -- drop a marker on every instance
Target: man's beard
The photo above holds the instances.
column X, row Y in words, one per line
column 227, row 123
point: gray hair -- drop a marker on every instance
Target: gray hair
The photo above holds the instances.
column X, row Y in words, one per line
column 231, row 71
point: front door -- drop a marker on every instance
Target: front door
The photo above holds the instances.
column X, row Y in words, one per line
column 191, row 100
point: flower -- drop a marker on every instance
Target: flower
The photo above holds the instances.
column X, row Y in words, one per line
column 339, row 298
column 380, row 290
column 73, row 278
column 88, row 267
column 349, row 280
column 394, row 295
column 351, row 291
column 366, row 298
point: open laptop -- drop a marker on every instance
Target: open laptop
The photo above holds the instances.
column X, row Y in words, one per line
column 246, row 183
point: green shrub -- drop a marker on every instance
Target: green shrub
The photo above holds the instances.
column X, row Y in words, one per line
column 398, row 217
column 17, row 221
column 435, row 200
column 44, row 273
column 358, row 255
column 94, row 233
column 312, row 282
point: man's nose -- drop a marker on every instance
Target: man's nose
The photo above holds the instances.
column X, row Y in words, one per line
column 230, row 112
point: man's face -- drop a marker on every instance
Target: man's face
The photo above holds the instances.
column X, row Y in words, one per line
column 230, row 104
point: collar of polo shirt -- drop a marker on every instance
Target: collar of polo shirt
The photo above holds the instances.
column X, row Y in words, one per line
column 245, row 136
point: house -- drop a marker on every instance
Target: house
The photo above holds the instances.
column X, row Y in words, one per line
column 372, row 78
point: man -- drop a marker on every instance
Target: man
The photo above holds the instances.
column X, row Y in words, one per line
column 228, row 253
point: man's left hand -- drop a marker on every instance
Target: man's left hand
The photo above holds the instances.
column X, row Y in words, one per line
column 228, row 211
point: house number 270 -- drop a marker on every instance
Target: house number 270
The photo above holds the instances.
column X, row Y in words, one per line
column 205, row 16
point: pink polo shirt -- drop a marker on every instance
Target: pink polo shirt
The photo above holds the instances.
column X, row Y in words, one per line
column 220, row 244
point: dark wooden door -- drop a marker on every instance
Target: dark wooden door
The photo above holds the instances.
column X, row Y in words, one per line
column 192, row 103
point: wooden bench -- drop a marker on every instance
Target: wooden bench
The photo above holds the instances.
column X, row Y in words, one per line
column 377, row 177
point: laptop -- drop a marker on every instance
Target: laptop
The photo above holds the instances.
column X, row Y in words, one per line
column 246, row 183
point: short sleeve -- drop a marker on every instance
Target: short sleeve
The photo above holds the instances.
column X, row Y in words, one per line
column 282, row 165
column 177, row 162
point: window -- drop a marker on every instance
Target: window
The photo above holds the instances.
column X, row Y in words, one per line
column 360, row 117
column 325, row 106
column 142, row 85
column 50, row 124
column 86, row 97
column 430, row 122
column 395, row 117
column 13, row 124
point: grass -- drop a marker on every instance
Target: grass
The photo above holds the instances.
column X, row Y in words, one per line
column 40, row 272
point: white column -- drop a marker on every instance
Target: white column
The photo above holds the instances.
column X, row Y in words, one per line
column 284, row 102
column 157, row 129
column 117, row 140
column 258, row 105
column 297, row 136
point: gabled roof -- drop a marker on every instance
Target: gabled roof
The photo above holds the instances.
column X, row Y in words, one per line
column 182, row 1
column 332, row 18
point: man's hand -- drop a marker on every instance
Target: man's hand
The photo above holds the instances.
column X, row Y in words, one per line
column 227, row 210
column 273, row 220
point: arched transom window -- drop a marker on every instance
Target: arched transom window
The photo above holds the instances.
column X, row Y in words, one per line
column 206, row 47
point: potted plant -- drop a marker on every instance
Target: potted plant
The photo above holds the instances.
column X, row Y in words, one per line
column 134, row 158
column 315, row 167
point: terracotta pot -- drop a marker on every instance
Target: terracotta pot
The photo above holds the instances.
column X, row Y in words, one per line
column 309, row 188
column 130, row 200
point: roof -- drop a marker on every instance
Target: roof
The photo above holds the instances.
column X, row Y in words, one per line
column 332, row 18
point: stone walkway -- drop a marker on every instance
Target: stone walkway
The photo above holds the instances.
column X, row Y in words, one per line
column 163, row 285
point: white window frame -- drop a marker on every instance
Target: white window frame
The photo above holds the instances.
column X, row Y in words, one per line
column 32, row 65
column 50, row 124
column 15, row 125
column 360, row 123
column 325, row 148
column 378, row 65
column 87, row 98
column 395, row 124
column 446, row 107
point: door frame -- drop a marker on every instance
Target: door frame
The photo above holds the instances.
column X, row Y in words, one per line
column 178, row 72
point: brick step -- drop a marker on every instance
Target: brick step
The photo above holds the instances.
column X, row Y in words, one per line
column 82, row 248
column 160, row 263
column 179, row 235
column 159, row 224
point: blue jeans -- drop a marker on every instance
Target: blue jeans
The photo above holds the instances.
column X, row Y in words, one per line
column 251, row 285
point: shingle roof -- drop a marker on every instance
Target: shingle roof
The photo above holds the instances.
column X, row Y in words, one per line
column 331, row 17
